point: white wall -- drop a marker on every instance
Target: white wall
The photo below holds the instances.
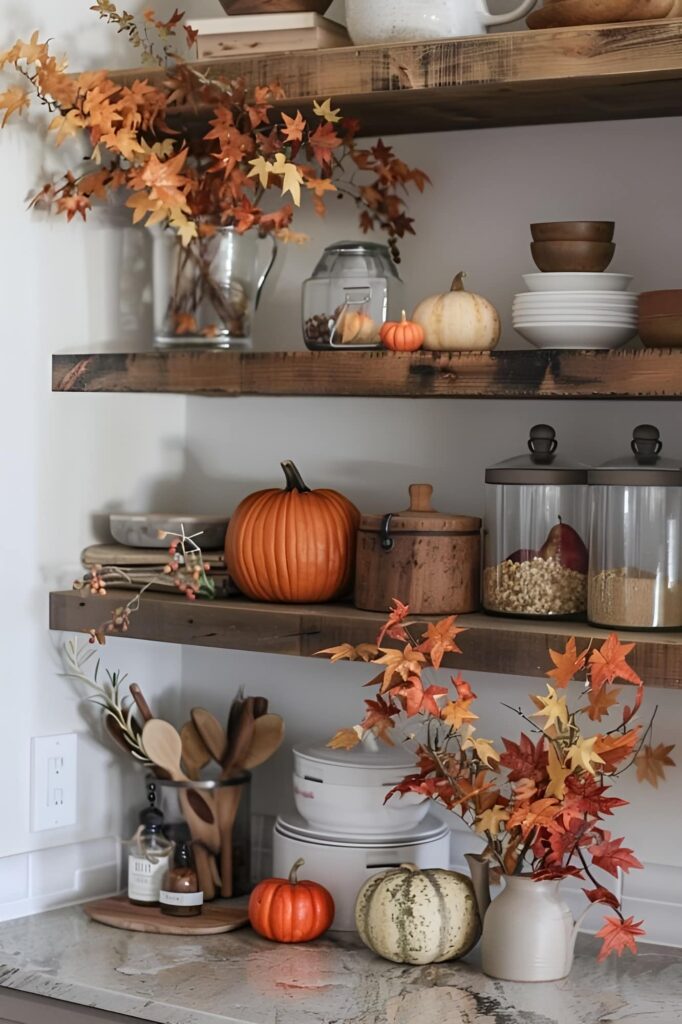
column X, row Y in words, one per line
column 69, row 459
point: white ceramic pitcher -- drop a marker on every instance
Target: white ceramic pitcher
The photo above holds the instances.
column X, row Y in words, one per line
column 393, row 21
column 528, row 931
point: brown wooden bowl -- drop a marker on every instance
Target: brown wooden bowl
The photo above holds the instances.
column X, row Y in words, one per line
column 567, row 13
column 661, row 303
column 274, row 6
column 661, row 331
column 572, row 257
column 573, row 231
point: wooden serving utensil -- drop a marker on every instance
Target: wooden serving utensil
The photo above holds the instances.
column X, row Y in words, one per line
column 143, row 707
column 163, row 746
column 211, row 733
column 195, row 756
column 268, row 734
column 227, row 800
column 260, row 707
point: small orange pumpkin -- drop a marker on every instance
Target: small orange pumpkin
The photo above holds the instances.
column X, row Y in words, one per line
column 295, row 545
column 405, row 336
column 286, row 910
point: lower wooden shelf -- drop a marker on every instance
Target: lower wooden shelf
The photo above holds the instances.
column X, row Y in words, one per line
column 509, row 646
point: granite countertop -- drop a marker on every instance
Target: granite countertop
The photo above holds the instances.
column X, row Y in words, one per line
column 241, row 978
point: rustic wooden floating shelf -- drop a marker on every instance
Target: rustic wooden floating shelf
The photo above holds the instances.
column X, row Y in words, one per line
column 646, row 373
column 509, row 646
column 590, row 73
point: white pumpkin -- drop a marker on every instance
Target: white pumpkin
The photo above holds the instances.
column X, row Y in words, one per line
column 412, row 916
column 458, row 321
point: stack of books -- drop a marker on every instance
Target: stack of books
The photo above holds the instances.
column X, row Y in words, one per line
column 252, row 34
column 125, row 567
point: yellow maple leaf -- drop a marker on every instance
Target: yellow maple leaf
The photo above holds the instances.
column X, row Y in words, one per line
column 33, row 51
column 325, row 110
column 13, row 100
column 552, row 707
column 491, row 820
column 290, row 237
column 403, row 663
column 66, row 126
column 346, row 739
column 583, row 755
column 346, row 652
column 558, row 773
column 484, row 749
column 186, row 228
column 261, row 169
column 457, row 713
column 292, row 179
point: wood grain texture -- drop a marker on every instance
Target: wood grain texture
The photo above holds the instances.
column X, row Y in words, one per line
column 215, row 918
column 645, row 373
column 603, row 72
column 507, row 646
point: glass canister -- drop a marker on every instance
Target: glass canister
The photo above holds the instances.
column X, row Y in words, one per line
column 354, row 289
column 536, row 559
column 635, row 579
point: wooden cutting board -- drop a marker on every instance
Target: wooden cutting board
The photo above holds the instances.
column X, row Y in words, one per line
column 567, row 13
column 119, row 554
column 215, row 919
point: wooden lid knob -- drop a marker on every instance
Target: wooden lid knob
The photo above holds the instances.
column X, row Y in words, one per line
column 420, row 498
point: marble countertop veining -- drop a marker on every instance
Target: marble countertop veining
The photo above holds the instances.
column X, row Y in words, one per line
column 239, row 978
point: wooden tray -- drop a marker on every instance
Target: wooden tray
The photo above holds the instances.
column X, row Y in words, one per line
column 567, row 13
column 215, row 918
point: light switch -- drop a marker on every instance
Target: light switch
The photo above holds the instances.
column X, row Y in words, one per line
column 53, row 781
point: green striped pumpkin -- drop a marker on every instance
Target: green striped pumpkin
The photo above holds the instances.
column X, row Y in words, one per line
column 412, row 916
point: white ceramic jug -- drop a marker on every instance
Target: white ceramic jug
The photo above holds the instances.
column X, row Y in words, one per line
column 393, row 21
column 528, row 931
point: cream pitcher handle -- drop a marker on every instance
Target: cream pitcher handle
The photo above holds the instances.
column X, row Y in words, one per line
column 501, row 19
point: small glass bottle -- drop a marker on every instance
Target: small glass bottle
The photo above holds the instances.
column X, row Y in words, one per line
column 180, row 894
column 148, row 859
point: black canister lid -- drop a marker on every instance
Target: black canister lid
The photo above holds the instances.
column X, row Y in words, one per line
column 644, row 468
column 540, row 465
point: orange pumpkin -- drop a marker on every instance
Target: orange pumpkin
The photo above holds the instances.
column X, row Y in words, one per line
column 405, row 336
column 294, row 546
column 290, row 911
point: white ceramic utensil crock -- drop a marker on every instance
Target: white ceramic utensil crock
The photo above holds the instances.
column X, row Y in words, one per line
column 396, row 21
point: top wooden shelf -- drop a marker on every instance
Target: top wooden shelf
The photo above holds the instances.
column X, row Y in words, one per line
column 645, row 373
column 590, row 73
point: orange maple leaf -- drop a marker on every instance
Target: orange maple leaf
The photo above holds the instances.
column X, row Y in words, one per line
column 652, row 761
column 395, row 625
column 616, row 748
column 540, row 814
column 439, row 639
column 324, row 141
column 618, row 936
column 345, row 739
column 457, row 712
column 293, row 127
column 608, row 663
column 601, row 701
column 568, row 664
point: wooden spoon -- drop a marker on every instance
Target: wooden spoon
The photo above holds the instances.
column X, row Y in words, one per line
column 227, row 800
column 268, row 734
column 211, row 732
column 195, row 756
column 143, row 707
column 260, row 707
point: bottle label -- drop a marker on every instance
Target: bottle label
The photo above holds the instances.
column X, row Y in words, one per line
column 145, row 878
column 181, row 899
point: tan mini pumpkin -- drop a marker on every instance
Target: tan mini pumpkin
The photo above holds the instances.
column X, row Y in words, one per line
column 356, row 328
column 411, row 916
column 295, row 545
column 404, row 336
column 458, row 321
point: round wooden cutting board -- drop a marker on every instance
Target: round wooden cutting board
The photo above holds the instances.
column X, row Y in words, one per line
column 215, row 918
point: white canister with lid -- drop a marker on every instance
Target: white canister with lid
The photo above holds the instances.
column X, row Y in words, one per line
column 343, row 791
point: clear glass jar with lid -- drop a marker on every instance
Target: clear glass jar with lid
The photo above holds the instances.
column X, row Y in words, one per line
column 536, row 559
column 354, row 289
column 635, row 579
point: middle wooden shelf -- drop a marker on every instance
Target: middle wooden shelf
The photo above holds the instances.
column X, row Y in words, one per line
column 506, row 646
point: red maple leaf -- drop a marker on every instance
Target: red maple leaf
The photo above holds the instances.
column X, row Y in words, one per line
column 608, row 664
column 394, row 625
column 614, row 749
column 585, row 799
column 618, row 936
column 602, row 895
column 464, row 691
column 417, row 699
column 379, row 717
column 555, row 874
column 525, row 760
column 610, row 855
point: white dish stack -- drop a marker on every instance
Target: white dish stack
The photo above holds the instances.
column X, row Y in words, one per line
column 344, row 831
column 576, row 310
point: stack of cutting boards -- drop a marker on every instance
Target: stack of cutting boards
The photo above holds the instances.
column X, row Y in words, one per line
column 145, row 565
column 566, row 13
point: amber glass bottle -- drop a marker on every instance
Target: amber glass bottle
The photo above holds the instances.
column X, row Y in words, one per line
column 180, row 894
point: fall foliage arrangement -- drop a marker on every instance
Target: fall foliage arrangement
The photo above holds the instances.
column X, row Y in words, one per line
column 542, row 802
column 191, row 181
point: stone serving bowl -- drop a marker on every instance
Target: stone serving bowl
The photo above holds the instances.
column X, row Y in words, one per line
column 573, row 231
column 572, row 256
column 142, row 531
column 274, row 6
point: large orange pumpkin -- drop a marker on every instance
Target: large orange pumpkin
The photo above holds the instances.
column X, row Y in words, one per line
column 293, row 546
column 290, row 911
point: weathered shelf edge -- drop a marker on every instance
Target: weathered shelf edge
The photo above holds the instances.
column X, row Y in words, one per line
column 505, row 646
column 570, row 374
column 589, row 72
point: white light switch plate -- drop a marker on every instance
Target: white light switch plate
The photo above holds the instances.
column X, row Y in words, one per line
column 54, row 761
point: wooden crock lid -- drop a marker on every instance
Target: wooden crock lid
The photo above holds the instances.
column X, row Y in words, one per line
column 420, row 517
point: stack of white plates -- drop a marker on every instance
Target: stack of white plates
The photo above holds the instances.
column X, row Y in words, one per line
column 576, row 311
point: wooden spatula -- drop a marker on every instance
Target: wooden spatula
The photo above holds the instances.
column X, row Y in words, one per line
column 195, row 756
column 211, row 732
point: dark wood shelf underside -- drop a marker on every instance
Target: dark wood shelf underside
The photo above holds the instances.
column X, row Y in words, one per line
column 507, row 646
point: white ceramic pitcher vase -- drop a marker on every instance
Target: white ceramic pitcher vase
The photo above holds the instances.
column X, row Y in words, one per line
column 392, row 21
column 528, row 930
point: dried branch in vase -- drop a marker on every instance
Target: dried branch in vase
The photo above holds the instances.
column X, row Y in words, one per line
column 540, row 803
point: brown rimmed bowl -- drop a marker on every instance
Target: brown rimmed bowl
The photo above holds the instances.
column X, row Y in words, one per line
column 661, row 331
column 572, row 257
column 274, row 6
column 573, row 231
column 661, row 303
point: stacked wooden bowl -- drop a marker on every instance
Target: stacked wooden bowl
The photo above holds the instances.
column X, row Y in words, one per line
column 274, row 6
column 566, row 13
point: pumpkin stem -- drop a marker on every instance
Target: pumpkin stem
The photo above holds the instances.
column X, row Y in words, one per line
column 403, row 318
column 293, row 874
column 409, row 867
column 458, row 284
column 293, row 478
